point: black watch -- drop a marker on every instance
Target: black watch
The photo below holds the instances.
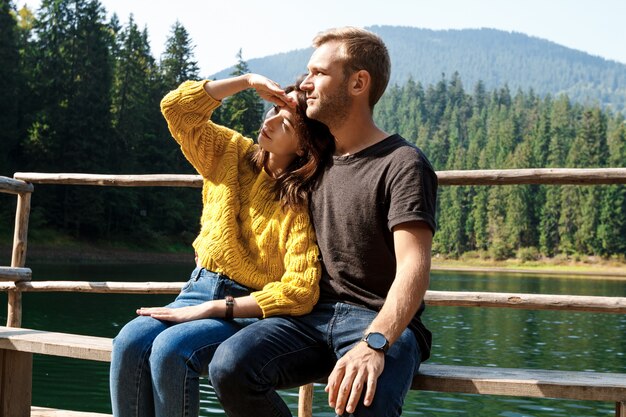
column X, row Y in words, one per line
column 376, row 341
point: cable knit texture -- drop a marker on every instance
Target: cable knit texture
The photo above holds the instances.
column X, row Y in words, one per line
column 244, row 232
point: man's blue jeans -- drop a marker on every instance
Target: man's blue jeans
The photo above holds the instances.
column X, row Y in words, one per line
column 286, row 352
column 156, row 365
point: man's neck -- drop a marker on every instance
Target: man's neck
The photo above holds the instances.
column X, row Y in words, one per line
column 356, row 133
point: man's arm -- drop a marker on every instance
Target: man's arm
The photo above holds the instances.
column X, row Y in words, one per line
column 362, row 366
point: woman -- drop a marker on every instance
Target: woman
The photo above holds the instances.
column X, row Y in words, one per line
column 256, row 251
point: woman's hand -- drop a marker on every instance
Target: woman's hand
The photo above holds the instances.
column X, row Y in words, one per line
column 177, row 315
column 270, row 90
column 266, row 88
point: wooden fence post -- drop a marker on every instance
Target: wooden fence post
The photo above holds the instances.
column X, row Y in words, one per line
column 305, row 401
column 16, row 368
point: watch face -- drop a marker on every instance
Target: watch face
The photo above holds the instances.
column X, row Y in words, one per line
column 376, row 341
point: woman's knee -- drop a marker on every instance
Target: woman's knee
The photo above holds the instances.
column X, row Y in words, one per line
column 134, row 339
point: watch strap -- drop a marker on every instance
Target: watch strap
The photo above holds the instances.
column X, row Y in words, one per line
column 230, row 307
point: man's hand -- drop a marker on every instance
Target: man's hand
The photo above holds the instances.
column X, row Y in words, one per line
column 358, row 368
column 177, row 315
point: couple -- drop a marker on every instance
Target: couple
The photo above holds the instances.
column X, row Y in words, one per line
column 348, row 310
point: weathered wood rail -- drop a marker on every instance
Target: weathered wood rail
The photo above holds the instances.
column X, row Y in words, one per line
column 17, row 345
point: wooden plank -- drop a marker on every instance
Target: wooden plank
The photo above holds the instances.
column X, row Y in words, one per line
column 15, row 383
column 52, row 412
column 593, row 386
column 8, row 273
column 620, row 409
column 527, row 301
column 57, row 344
column 13, row 186
column 433, row 298
column 149, row 180
column 106, row 287
column 562, row 176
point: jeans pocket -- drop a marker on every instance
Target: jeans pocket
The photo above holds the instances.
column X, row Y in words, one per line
column 195, row 274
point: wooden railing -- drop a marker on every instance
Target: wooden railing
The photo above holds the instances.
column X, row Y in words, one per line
column 16, row 365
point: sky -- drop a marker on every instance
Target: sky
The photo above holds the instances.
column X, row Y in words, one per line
column 218, row 29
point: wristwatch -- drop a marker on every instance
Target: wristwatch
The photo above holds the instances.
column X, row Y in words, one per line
column 376, row 341
column 230, row 307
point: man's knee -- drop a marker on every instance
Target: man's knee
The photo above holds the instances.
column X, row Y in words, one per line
column 226, row 369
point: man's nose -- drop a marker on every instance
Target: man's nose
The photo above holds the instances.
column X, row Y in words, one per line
column 306, row 83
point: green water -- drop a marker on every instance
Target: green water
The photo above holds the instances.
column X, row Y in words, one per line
column 464, row 336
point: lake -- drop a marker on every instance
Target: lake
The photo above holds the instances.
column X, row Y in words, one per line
column 462, row 336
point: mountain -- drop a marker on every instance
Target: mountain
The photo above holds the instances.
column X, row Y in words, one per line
column 493, row 56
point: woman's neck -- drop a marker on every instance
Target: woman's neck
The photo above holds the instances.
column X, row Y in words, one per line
column 276, row 165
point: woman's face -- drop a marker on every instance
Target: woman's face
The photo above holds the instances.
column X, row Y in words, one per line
column 278, row 133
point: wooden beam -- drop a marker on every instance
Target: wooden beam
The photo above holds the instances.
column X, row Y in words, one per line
column 18, row 257
column 16, row 369
column 52, row 412
column 13, row 186
column 8, row 273
column 433, row 298
column 592, row 386
column 151, row 180
column 97, row 287
column 305, row 401
column 57, row 344
column 561, row 176
column 527, row 301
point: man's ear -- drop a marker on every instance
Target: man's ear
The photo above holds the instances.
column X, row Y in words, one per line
column 360, row 83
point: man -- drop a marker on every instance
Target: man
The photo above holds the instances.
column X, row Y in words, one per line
column 373, row 210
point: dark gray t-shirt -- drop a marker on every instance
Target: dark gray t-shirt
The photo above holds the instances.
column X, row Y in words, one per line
column 357, row 201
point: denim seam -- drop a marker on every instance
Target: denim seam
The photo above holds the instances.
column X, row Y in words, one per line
column 140, row 367
column 185, row 383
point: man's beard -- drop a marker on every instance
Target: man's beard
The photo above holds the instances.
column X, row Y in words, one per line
column 332, row 110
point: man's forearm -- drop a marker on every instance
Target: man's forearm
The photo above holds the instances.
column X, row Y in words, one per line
column 403, row 300
column 413, row 249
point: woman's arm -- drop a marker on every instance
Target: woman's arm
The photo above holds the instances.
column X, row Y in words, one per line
column 294, row 294
column 267, row 89
column 298, row 289
column 244, row 307
column 188, row 109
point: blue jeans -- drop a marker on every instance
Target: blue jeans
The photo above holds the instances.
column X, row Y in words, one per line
column 156, row 365
column 286, row 352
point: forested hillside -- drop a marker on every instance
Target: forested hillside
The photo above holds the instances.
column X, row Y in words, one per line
column 81, row 94
column 492, row 56
column 500, row 129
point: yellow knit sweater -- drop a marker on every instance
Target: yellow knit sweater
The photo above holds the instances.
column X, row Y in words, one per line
column 244, row 232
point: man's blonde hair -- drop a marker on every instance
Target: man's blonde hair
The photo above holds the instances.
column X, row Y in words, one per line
column 362, row 50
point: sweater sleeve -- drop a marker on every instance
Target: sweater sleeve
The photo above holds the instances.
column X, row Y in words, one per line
column 187, row 111
column 298, row 290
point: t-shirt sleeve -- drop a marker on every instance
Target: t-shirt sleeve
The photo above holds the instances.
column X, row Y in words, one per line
column 412, row 191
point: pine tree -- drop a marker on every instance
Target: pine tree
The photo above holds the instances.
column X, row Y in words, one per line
column 243, row 111
column 71, row 128
column 177, row 63
column 11, row 84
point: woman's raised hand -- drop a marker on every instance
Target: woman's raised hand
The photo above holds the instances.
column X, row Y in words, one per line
column 270, row 90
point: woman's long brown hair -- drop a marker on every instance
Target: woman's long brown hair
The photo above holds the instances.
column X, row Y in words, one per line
column 292, row 187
